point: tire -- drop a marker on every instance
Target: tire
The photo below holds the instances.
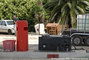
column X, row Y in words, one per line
column 77, row 40
column 87, row 41
column 9, row 32
column 66, row 47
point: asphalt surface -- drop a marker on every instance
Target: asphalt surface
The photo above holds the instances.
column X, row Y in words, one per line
column 34, row 54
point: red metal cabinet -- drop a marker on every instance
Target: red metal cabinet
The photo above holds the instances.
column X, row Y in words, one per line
column 22, row 35
column 9, row 45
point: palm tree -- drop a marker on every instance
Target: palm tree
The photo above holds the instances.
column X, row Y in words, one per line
column 41, row 13
column 64, row 10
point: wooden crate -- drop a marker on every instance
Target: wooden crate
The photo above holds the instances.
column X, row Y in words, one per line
column 53, row 28
column 52, row 32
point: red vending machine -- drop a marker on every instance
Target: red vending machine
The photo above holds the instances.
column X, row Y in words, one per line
column 22, row 35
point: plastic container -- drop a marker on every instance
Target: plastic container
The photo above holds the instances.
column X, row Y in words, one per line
column 83, row 23
column 9, row 45
column 53, row 56
column 39, row 28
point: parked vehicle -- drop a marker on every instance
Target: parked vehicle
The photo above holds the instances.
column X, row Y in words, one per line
column 80, row 35
column 7, row 26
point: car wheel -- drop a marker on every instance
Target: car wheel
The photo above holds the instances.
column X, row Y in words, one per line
column 87, row 41
column 9, row 32
column 77, row 40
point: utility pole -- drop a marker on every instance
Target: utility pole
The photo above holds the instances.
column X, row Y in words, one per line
column 39, row 24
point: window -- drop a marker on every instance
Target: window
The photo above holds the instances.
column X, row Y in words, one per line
column 3, row 23
column 0, row 22
column 10, row 23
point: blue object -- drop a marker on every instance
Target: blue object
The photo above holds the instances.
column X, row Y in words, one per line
column 85, row 23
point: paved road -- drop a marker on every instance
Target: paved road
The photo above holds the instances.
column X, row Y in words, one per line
column 35, row 54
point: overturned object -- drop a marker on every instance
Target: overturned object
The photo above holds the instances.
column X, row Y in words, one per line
column 55, row 43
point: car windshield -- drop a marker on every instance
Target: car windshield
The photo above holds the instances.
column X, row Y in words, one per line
column 10, row 23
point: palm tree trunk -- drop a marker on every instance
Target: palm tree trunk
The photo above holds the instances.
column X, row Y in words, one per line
column 73, row 15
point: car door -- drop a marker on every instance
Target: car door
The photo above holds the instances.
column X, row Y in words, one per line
column 0, row 25
column 4, row 27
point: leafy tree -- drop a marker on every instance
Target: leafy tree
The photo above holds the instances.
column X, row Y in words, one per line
column 23, row 9
column 64, row 10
